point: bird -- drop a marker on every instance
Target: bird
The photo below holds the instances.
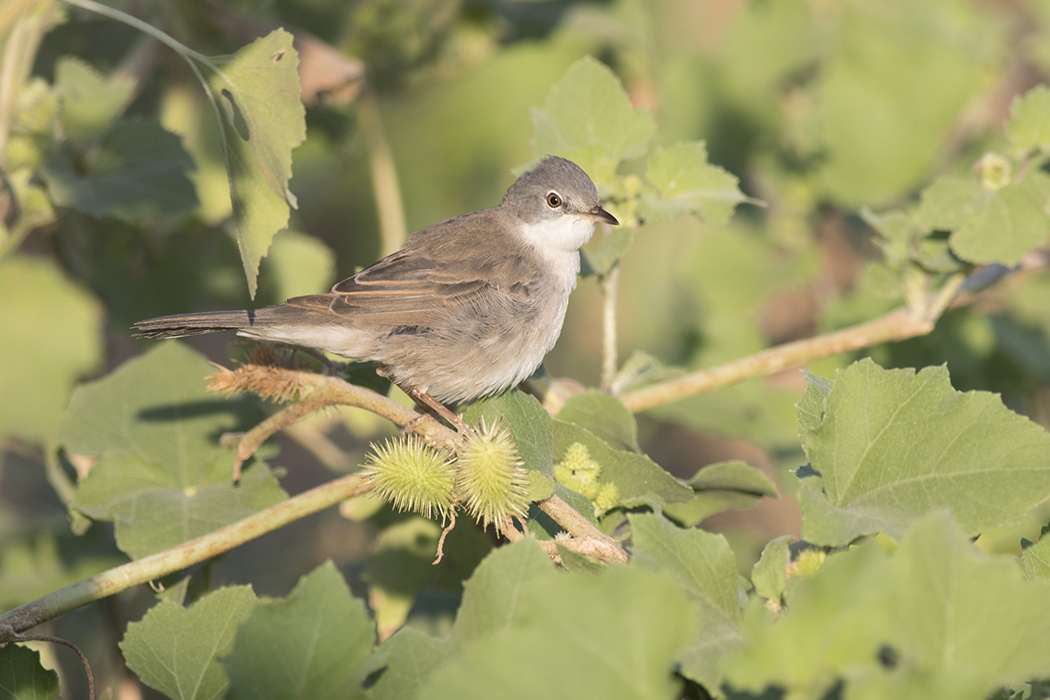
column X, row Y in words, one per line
column 468, row 308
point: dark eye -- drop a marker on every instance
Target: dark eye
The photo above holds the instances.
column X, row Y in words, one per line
column 553, row 200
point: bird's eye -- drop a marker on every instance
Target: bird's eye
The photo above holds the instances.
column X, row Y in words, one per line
column 553, row 200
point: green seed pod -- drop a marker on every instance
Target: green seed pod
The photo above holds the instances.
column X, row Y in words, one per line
column 490, row 479
column 412, row 475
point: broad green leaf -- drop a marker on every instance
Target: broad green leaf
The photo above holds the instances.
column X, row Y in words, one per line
column 52, row 337
column 687, row 184
column 810, row 408
column 401, row 564
column 612, row 634
column 529, row 423
column 176, row 650
column 411, row 658
column 612, row 247
column 721, row 486
column 139, row 174
column 1035, row 557
column 313, row 644
column 23, row 678
column 493, row 594
column 153, row 509
column 639, row 480
column 603, row 415
column 952, row 618
column 1028, row 128
column 263, row 119
column 298, row 264
column 894, row 444
column 90, row 103
column 989, row 225
column 588, row 119
column 704, row 567
column 769, row 575
column 161, row 475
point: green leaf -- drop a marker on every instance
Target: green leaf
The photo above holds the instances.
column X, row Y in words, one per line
column 893, row 445
column 704, row 567
column 989, row 225
column 721, row 486
column 52, row 337
column 139, row 174
column 588, row 119
column 410, row 658
column 90, row 103
column 176, row 650
column 1028, row 128
column 298, row 264
column 603, row 415
column 566, row 639
column 640, row 481
column 263, row 119
column 529, row 423
column 1035, row 557
column 614, row 244
column 23, row 678
column 313, row 644
column 686, row 184
column 161, row 475
column 769, row 575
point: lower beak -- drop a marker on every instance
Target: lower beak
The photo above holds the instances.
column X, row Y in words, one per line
column 602, row 216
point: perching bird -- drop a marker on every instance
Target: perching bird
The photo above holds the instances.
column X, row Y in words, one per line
column 469, row 307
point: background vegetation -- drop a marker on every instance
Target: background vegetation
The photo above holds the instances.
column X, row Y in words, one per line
column 867, row 174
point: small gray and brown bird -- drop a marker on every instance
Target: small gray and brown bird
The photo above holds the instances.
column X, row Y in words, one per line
column 469, row 307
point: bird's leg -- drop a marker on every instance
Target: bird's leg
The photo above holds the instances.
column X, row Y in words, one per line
column 429, row 405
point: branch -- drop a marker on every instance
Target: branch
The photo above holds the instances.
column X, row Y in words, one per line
column 113, row 581
column 894, row 326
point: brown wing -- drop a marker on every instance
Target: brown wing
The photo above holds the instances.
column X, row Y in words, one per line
column 436, row 273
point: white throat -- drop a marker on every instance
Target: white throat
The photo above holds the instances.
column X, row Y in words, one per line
column 558, row 242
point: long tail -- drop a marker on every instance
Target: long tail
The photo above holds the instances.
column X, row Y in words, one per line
column 181, row 325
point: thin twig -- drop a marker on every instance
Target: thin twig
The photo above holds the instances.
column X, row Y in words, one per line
column 71, row 645
column 113, row 581
column 609, row 285
column 385, row 189
column 896, row 325
column 603, row 546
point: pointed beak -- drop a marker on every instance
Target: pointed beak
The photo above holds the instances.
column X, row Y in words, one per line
column 601, row 216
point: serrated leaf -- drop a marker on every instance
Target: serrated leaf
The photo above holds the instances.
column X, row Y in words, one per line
column 1028, row 128
column 687, row 184
column 1035, row 557
column 161, row 475
column 411, row 657
column 176, row 650
column 721, row 486
column 588, row 119
column 313, row 644
column 989, row 225
column 263, row 119
column 573, row 627
column 769, row 574
column 42, row 360
column 139, row 174
column 704, row 568
column 22, row 677
column 603, row 415
column 640, row 481
column 895, row 444
column 90, row 103
column 529, row 423
column 614, row 244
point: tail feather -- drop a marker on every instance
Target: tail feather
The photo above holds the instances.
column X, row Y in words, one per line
column 181, row 325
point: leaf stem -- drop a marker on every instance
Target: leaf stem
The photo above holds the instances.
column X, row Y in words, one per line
column 169, row 41
column 610, row 286
column 385, row 189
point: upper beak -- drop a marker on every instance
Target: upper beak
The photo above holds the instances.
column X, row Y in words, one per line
column 599, row 214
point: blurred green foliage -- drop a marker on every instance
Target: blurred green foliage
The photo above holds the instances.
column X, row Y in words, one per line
column 873, row 151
